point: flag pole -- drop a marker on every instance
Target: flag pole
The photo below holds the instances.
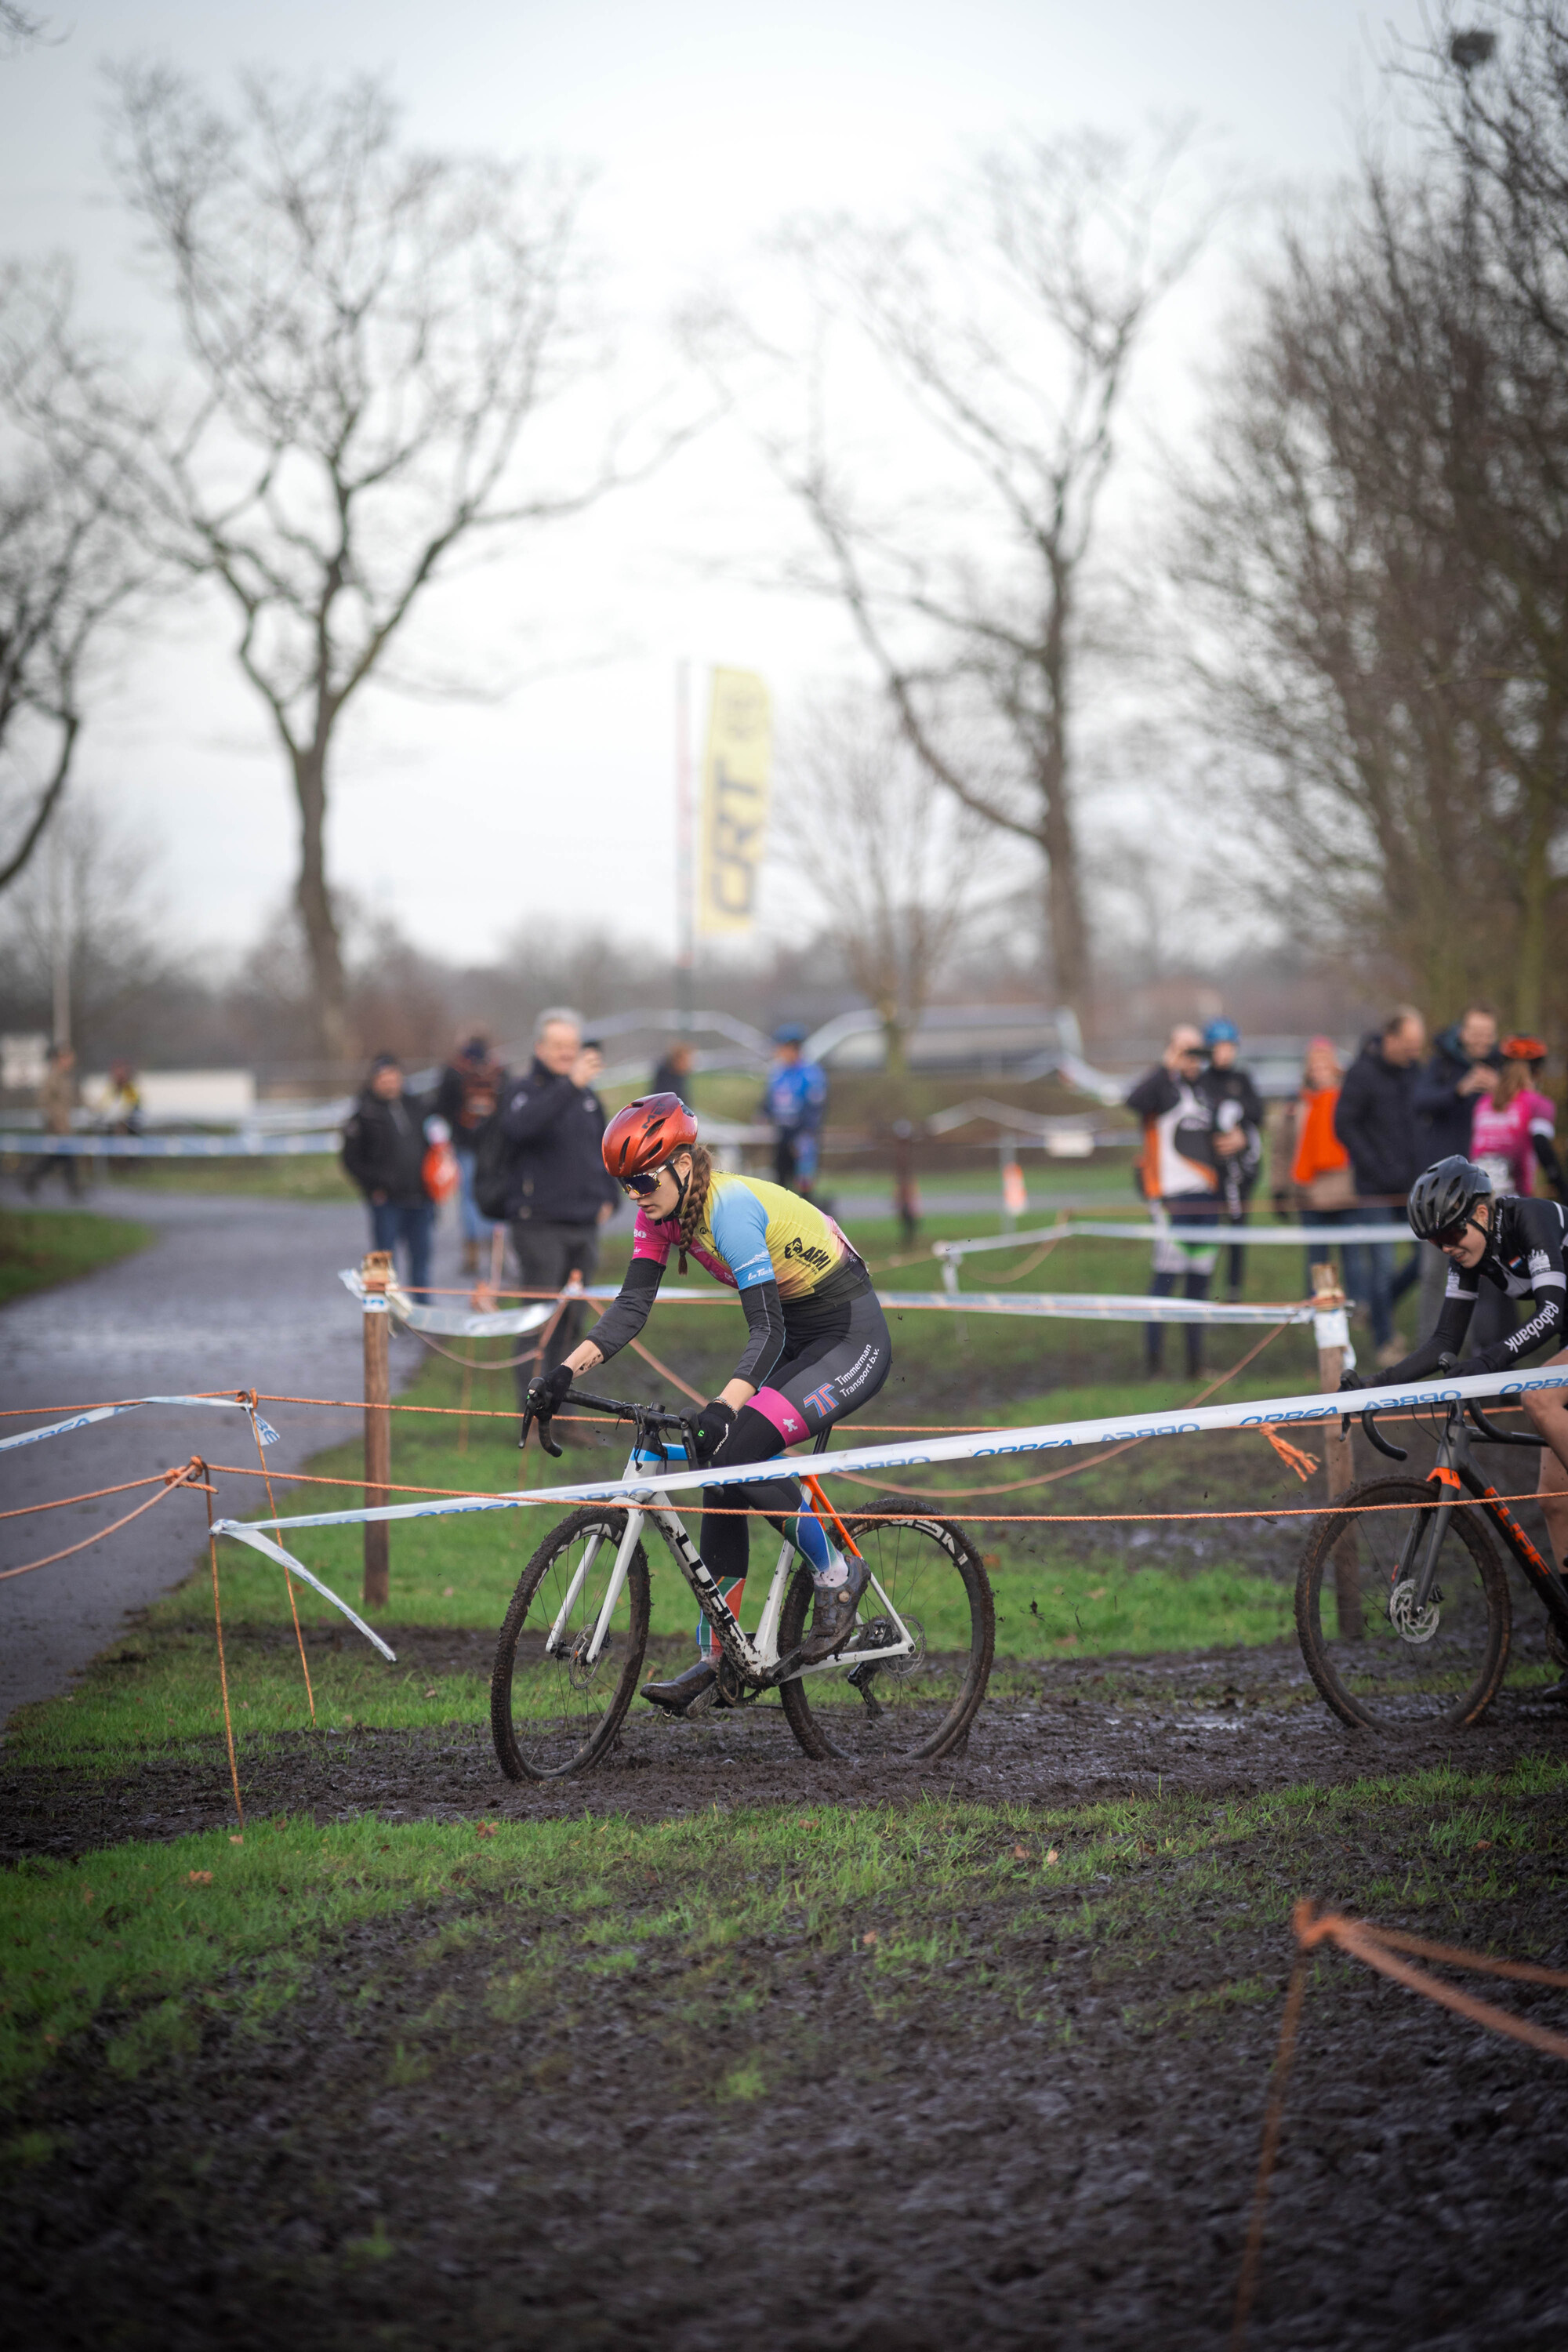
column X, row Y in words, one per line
column 685, row 946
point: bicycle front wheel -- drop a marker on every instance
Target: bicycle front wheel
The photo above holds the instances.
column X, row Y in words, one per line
column 1379, row 1662
column 554, row 1708
column 929, row 1574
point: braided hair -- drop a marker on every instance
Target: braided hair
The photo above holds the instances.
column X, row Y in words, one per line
column 693, row 1199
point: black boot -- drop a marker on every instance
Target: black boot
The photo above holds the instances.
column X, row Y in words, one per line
column 677, row 1694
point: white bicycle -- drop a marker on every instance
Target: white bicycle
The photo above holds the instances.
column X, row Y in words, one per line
column 905, row 1685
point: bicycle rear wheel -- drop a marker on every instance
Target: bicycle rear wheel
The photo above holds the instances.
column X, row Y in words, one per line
column 551, row 1713
column 902, row 1709
column 1382, row 1669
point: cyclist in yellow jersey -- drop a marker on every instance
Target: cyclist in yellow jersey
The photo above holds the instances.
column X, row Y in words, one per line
column 818, row 1345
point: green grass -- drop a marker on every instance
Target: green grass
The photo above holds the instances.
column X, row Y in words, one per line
column 146, row 1941
column 314, row 1176
column 40, row 1247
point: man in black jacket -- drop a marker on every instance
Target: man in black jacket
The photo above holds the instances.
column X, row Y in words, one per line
column 1233, row 1097
column 1466, row 1065
column 1374, row 1118
column 559, row 1194
column 384, row 1153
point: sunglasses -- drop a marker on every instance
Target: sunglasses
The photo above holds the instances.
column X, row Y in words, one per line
column 642, row 1188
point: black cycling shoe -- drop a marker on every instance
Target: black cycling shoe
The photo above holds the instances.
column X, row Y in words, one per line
column 833, row 1616
column 1558, row 1694
column 677, row 1694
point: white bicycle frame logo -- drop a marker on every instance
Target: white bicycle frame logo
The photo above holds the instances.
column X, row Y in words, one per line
column 757, row 1661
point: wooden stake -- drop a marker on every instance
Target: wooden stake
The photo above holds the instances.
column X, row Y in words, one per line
column 375, row 1274
column 1339, row 1461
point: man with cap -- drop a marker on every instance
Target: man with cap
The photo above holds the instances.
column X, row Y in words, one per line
column 1233, row 1097
column 794, row 1099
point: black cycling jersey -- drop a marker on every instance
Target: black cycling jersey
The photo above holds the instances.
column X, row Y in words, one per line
column 1525, row 1257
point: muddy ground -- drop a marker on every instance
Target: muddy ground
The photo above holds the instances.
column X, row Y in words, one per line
column 1051, row 2142
column 1232, row 1721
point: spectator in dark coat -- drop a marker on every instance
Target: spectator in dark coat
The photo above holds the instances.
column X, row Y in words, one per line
column 469, row 1091
column 1374, row 1118
column 672, row 1073
column 384, row 1153
column 560, row 1194
column 1466, row 1064
column 1232, row 1096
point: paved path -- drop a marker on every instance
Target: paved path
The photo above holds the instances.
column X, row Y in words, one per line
column 234, row 1294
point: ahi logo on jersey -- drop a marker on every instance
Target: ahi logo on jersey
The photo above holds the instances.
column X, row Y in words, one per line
column 807, row 1255
column 820, row 1401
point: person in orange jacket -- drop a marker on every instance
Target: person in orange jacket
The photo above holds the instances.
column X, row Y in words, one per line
column 1322, row 1179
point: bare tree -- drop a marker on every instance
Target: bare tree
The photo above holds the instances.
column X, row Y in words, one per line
column 19, row 29
column 1379, row 550
column 72, row 570
column 1007, row 325
column 373, row 331
column 894, row 862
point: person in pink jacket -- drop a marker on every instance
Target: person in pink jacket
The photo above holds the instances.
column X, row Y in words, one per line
column 1513, row 1127
column 1512, row 1130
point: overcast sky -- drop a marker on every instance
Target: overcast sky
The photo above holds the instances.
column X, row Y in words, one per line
column 706, row 123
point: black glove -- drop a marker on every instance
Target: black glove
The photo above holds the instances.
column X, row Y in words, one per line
column 1351, row 1379
column 710, row 1427
column 547, row 1393
column 542, row 1400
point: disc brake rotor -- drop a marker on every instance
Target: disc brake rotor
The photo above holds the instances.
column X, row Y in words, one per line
column 1411, row 1624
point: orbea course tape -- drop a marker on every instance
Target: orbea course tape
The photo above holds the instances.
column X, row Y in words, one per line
column 1214, row 1233
column 972, row 1446
column 456, row 1322
column 264, row 1430
column 1089, row 1307
column 276, row 1551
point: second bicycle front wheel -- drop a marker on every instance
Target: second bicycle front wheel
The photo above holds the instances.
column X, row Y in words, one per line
column 555, row 1708
column 1378, row 1661
column 909, row 1708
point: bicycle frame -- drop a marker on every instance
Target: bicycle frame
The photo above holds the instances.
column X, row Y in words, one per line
column 756, row 1660
column 1454, row 1470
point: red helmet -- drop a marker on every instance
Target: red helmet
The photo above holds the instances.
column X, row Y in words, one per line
column 646, row 1133
column 1523, row 1049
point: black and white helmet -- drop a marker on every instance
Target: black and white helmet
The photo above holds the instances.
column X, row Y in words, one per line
column 1443, row 1198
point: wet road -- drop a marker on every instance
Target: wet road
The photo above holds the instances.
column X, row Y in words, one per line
column 234, row 1294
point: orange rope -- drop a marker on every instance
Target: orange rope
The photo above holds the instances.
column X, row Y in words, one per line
column 1363, row 1940
column 1366, row 1942
column 222, row 1664
column 1049, row 1478
column 63, row 1501
column 171, row 1479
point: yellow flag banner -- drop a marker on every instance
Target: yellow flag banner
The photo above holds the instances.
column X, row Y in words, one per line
column 736, row 771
